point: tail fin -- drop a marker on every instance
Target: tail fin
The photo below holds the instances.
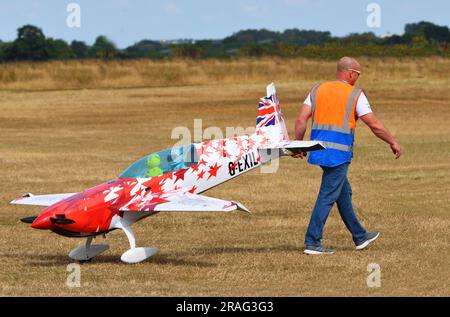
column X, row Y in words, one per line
column 270, row 121
column 271, row 125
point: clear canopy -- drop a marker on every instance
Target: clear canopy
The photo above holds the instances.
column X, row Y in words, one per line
column 162, row 162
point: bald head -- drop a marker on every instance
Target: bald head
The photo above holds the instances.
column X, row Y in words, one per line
column 346, row 63
column 348, row 70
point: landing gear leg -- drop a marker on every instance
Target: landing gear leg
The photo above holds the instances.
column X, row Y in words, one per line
column 135, row 255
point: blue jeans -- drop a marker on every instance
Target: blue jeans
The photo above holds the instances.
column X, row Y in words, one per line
column 335, row 187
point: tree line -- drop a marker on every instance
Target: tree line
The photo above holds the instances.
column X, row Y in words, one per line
column 419, row 39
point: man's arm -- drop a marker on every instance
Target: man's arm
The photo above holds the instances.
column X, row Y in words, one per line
column 381, row 132
column 300, row 125
column 302, row 120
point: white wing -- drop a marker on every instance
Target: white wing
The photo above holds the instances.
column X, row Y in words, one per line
column 40, row 200
column 182, row 201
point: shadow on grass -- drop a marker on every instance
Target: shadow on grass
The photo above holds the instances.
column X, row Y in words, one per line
column 176, row 258
column 248, row 249
column 158, row 259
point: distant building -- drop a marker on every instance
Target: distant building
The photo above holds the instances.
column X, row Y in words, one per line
column 387, row 35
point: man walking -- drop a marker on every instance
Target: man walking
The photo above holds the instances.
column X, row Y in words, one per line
column 334, row 108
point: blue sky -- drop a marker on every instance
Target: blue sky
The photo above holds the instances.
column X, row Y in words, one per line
column 128, row 21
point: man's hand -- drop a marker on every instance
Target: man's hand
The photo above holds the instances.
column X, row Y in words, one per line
column 380, row 131
column 396, row 149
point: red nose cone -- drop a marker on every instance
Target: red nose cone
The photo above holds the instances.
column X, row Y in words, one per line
column 42, row 223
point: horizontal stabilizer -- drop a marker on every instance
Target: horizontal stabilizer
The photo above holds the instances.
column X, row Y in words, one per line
column 288, row 148
column 293, row 147
column 299, row 146
column 40, row 200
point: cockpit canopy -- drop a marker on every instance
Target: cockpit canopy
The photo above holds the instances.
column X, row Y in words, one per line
column 162, row 162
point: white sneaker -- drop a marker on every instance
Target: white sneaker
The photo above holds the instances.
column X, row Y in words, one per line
column 371, row 237
column 318, row 250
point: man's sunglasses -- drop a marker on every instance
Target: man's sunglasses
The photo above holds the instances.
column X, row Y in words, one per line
column 356, row 71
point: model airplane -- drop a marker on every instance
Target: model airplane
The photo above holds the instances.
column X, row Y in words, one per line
column 169, row 180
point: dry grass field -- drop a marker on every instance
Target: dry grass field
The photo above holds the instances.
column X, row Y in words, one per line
column 68, row 126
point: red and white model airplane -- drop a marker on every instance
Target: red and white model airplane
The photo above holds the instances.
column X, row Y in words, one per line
column 169, row 180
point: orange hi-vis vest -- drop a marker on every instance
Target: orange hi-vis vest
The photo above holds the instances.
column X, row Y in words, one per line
column 333, row 107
